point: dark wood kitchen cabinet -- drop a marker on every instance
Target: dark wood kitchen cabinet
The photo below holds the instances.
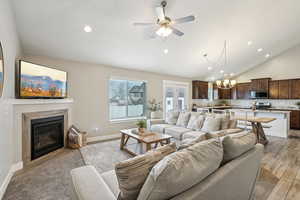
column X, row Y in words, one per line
column 295, row 89
column 224, row 93
column 243, row 90
column 283, row 89
column 295, row 119
column 273, row 89
column 261, row 84
column 200, row 89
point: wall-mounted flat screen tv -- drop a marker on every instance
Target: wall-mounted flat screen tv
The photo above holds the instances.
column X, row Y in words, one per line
column 35, row 81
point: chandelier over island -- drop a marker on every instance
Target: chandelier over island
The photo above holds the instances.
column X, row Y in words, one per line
column 224, row 83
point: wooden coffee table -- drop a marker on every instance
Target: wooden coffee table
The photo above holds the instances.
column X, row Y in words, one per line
column 143, row 143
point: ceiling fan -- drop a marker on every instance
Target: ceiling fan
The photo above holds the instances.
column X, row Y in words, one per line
column 165, row 23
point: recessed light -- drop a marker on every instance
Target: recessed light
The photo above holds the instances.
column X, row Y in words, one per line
column 260, row 50
column 222, row 71
column 166, row 51
column 87, row 29
column 267, row 55
column 231, row 74
column 249, row 43
column 209, row 68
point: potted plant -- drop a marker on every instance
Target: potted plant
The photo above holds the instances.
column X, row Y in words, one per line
column 154, row 108
column 298, row 104
column 142, row 125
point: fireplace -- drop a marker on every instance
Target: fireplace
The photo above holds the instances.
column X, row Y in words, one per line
column 47, row 135
column 44, row 135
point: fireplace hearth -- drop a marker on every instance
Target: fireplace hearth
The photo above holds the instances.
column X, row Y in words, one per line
column 47, row 135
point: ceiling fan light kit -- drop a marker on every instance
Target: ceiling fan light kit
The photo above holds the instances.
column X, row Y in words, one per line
column 166, row 23
column 164, row 31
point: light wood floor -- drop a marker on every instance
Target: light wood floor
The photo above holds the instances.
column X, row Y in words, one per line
column 280, row 175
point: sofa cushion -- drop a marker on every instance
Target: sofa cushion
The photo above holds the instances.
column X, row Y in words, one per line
column 181, row 170
column 191, row 141
column 172, row 117
column 132, row 173
column 211, row 124
column 176, row 131
column 111, row 180
column 192, row 134
column 88, row 184
column 196, row 121
column 222, row 133
column 183, row 119
column 236, row 145
column 160, row 128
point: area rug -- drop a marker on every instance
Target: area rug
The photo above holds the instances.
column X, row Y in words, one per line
column 103, row 155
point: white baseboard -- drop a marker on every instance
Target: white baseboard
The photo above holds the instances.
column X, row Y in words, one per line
column 15, row 167
column 103, row 138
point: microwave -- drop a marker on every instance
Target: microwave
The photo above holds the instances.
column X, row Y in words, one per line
column 258, row 94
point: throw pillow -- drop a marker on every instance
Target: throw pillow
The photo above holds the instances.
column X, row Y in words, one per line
column 211, row 124
column 232, row 124
column 132, row 173
column 181, row 170
column 183, row 119
column 196, row 122
column 235, row 146
column 172, row 117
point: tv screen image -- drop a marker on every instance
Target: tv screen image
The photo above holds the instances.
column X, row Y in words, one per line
column 37, row 81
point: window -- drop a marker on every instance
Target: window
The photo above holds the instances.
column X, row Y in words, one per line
column 127, row 99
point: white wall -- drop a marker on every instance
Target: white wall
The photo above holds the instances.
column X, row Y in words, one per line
column 88, row 86
column 284, row 66
column 11, row 50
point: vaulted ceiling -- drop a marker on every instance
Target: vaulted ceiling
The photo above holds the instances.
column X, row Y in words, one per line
column 54, row 28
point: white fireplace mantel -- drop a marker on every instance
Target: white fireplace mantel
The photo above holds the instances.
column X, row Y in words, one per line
column 13, row 109
column 38, row 101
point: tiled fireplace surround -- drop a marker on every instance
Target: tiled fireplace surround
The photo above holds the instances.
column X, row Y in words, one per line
column 19, row 114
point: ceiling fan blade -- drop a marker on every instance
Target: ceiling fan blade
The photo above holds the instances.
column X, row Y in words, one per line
column 184, row 19
column 143, row 24
column 160, row 12
column 176, row 31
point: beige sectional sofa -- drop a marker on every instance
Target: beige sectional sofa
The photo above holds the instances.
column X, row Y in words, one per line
column 183, row 125
column 204, row 169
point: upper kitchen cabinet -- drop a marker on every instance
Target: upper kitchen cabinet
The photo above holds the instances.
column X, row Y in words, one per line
column 261, row 84
column 243, row 90
column 295, row 89
column 284, row 89
column 219, row 93
column 224, row 93
column 200, row 90
column 273, row 89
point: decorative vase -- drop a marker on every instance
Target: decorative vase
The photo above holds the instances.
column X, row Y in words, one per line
column 154, row 115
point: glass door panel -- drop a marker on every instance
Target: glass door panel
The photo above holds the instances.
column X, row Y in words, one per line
column 175, row 97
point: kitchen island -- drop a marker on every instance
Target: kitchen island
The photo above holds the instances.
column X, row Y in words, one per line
column 279, row 127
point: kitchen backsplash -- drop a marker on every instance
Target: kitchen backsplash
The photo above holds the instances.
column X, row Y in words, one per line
column 248, row 103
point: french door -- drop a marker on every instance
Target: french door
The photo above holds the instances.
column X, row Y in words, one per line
column 176, row 96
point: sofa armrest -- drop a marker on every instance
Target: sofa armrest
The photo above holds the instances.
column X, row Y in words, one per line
column 151, row 122
column 89, row 185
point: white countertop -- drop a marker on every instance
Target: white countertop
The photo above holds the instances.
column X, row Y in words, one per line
column 261, row 111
